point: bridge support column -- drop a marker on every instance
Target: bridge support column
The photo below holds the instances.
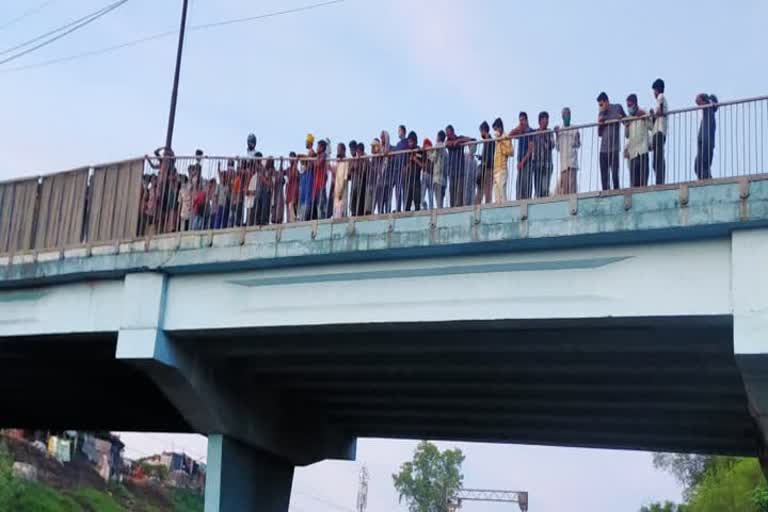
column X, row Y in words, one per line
column 749, row 292
column 241, row 478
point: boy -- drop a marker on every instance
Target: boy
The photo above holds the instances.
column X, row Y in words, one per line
column 659, row 133
column 412, row 181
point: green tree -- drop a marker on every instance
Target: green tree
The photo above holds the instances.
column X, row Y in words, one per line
column 688, row 469
column 431, row 479
column 760, row 499
column 729, row 486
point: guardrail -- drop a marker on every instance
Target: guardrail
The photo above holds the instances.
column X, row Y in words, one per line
column 138, row 198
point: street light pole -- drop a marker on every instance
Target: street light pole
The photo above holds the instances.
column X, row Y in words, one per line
column 175, row 92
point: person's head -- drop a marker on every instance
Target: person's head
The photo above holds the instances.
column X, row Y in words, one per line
column 211, row 183
column 427, row 144
column 341, row 150
column 498, row 127
column 270, row 165
column 352, row 147
column 310, row 141
column 658, row 87
column 322, row 146
column 413, row 140
column 230, row 165
column 522, row 118
column 543, row 120
column 632, row 104
column 375, row 146
column 401, row 131
column 360, row 149
column 184, row 179
column 251, row 142
column 449, row 131
column 566, row 113
column 485, row 130
column 440, row 137
column 198, row 155
column 602, row 101
column 706, row 99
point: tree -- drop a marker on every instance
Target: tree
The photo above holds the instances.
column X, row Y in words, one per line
column 431, row 479
column 688, row 469
column 729, row 486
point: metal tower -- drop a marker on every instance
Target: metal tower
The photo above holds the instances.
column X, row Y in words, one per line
column 519, row 497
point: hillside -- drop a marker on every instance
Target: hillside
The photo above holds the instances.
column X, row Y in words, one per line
column 77, row 487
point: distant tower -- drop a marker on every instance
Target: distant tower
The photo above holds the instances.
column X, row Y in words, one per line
column 362, row 490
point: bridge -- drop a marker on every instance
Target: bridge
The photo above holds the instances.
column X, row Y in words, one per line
column 628, row 319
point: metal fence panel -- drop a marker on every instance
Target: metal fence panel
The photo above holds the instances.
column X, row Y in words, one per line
column 17, row 215
column 62, row 210
column 114, row 201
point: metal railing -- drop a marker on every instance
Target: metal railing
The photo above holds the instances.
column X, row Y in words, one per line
column 148, row 197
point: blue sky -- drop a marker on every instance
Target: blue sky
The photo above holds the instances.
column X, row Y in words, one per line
column 348, row 71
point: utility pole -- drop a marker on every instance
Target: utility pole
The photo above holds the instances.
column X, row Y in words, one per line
column 175, row 92
column 362, row 491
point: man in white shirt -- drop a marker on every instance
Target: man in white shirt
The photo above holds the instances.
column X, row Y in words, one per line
column 567, row 142
column 636, row 148
column 659, row 132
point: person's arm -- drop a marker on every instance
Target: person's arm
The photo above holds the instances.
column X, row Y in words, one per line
column 528, row 155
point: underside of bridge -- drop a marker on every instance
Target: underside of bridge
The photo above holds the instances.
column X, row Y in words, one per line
column 651, row 384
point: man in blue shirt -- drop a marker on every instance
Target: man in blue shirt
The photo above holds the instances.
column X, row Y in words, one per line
column 525, row 145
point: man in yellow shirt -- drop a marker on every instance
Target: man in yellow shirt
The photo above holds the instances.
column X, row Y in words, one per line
column 504, row 150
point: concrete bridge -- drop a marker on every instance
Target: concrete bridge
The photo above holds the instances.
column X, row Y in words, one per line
column 633, row 320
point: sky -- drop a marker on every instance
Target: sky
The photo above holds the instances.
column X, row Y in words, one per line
column 347, row 71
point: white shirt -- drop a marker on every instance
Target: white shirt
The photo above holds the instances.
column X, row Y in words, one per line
column 637, row 142
column 253, row 186
column 661, row 122
column 568, row 143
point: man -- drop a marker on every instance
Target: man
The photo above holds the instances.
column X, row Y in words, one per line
column 307, row 180
column 525, row 146
column 319, row 194
column 340, row 169
column 567, row 142
column 503, row 151
column 455, row 165
column 543, row 142
column 608, row 117
column 251, row 146
column 439, row 157
column 412, row 182
column 636, row 148
column 195, row 170
column 485, row 177
column 400, row 163
column 659, row 132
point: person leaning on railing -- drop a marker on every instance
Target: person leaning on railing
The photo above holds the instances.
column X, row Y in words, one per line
column 567, row 143
column 525, row 146
column 503, row 152
column 705, row 142
column 609, row 140
column 637, row 133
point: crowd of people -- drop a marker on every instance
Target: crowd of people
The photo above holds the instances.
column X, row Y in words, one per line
column 409, row 175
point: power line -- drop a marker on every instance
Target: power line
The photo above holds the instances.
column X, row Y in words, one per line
column 162, row 35
column 55, row 30
column 26, row 14
column 65, row 33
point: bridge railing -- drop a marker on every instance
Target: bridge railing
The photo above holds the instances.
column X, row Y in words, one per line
column 140, row 198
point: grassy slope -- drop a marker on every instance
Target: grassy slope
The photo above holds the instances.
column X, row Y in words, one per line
column 39, row 498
